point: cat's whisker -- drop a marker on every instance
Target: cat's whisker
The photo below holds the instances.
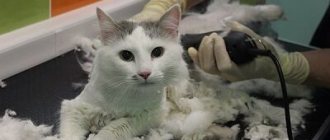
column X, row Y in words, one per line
column 159, row 76
column 119, row 83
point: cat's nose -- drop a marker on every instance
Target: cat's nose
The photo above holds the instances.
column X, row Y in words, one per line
column 145, row 74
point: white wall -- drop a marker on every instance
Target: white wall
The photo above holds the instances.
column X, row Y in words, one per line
column 40, row 42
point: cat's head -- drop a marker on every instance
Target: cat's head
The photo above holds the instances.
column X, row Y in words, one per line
column 141, row 54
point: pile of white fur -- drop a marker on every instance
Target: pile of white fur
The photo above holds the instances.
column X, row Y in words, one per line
column 219, row 105
column 201, row 107
column 18, row 129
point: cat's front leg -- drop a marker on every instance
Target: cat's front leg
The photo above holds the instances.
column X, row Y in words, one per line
column 119, row 129
column 125, row 128
column 73, row 124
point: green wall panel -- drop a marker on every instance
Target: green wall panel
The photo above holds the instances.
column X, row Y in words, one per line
column 18, row 13
column 303, row 18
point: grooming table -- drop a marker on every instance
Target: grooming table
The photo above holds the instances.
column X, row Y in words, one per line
column 37, row 93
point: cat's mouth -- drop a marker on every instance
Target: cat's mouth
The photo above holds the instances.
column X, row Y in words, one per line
column 147, row 83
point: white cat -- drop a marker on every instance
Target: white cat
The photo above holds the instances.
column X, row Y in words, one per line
column 125, row 93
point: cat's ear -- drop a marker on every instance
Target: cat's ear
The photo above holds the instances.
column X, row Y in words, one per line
column 107, row 25
column 170, row 20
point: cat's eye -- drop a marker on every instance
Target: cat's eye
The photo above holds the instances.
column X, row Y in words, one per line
column 157, row 52
column 126, row 55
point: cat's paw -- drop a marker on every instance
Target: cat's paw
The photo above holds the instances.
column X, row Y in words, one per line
column 184, row 105
column 99, row 120
column 188, row 105
column 172, row 93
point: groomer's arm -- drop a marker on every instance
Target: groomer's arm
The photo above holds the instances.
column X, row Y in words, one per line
column 312, row 68
column 319, row 63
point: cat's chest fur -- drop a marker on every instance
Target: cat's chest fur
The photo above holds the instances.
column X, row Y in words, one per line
column 118, row 103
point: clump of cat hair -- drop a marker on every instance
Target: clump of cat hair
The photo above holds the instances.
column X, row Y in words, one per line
column 17, row 129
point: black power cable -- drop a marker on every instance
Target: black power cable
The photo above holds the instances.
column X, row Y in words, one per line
column 269, row 54
column 285, row 95
column 252, row 50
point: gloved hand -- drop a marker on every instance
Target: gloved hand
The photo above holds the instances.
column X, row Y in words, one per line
column 213, row 58
column 154, row 9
